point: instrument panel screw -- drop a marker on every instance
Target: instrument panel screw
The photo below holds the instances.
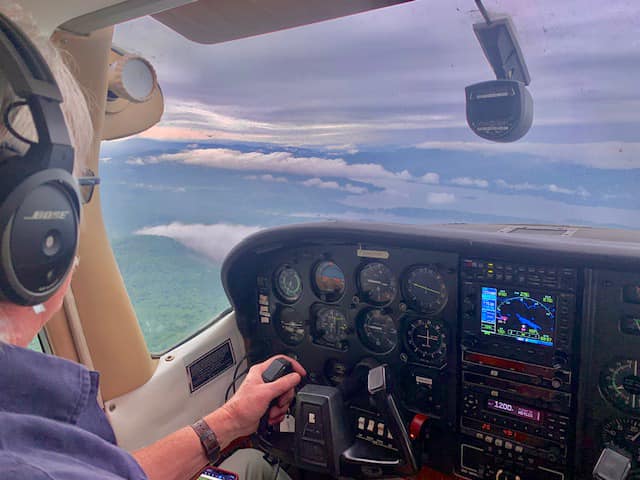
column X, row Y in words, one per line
column 403, row 307
column 169, row 358
column 355, row 300
column 404, row 358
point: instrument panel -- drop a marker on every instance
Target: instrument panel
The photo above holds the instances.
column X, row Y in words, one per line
column 525, row 359
column 424, row 294
column 344, row 305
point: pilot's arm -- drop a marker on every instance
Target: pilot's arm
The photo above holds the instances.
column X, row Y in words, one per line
column 180, row 455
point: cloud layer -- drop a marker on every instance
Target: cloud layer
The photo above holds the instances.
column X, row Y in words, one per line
column 280, row 162
column 213, row 241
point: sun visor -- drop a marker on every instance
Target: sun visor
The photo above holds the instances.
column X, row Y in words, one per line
column 216, row 21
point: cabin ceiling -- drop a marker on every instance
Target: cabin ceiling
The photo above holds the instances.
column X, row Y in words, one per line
column 216, row 21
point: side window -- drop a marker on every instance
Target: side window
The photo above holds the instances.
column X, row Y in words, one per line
column 173, row 281
column 37, row 343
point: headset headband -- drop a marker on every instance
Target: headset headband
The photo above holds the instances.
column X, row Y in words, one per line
column 32, row 80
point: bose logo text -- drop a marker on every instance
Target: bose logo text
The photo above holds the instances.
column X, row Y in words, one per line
column 48, row 215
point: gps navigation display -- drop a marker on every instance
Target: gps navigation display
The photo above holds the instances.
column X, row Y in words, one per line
column 523, row 316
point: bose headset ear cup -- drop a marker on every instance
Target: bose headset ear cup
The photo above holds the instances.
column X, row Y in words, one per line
column 39, row 199
column 39, row 237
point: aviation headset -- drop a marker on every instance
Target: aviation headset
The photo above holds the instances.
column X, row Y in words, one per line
column 39, row 199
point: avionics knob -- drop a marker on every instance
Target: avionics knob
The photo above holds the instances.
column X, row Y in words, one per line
column 559, row 360
column 469, row 304
column 553, row 455
column 469, row 341
column 556, row 382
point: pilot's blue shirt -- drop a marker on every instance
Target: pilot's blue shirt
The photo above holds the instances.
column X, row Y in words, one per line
column 51, row 427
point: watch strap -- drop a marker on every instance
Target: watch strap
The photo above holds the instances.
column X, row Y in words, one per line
column 208, row 440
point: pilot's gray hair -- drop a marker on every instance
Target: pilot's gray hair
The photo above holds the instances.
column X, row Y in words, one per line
column 74, row 107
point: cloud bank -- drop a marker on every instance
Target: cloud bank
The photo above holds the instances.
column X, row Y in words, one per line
column 213, row 241
column 470, row 182
column 280, row 162
column 332, row 185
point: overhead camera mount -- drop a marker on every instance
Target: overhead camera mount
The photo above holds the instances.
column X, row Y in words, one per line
column 500, row 110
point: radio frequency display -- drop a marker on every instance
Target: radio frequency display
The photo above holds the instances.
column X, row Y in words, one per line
column 515, row 410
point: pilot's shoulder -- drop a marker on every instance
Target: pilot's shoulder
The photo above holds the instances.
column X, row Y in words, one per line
column 16, row 467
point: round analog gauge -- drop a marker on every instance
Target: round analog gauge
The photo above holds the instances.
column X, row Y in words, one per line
column 288, row 284
column 378, row 332
column 624, row 434
column 620, row 384
column 426, row 339
column 331, row 327
column 377, row 283
column 328, row 280
column 425, row 289
column 290, row 326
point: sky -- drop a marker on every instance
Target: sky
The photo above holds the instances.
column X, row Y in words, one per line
column 396, row 76
column 368, row 111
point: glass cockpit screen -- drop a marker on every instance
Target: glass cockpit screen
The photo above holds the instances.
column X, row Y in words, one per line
column 524, row 316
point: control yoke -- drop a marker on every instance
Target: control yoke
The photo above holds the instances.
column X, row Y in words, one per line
column 323, row 439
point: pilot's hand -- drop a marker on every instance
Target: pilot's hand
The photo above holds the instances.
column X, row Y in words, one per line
column 253, row 398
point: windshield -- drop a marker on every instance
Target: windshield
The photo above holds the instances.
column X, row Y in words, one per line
column 363, row 118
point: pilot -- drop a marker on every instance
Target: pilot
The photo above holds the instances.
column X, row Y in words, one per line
column 51, row 426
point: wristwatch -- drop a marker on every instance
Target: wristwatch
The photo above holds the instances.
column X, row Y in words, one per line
column 208, row 440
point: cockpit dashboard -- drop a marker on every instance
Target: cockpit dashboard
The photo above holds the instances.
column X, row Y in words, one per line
column 515, row 349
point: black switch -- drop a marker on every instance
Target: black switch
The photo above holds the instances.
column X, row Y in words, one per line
column 313, row 424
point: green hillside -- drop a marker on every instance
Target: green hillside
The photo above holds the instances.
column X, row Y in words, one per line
column 173, row 290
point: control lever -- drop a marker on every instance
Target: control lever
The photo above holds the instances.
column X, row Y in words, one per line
column 276, row 370
column 612, row 465
column 378, row 384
